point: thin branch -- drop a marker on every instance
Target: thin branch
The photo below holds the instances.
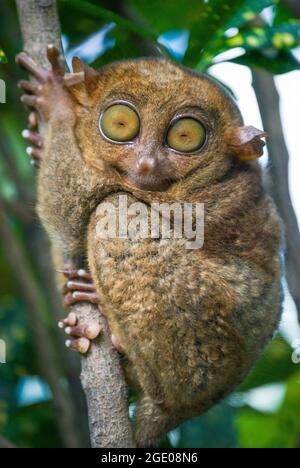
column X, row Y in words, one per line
column 278, row 181
column 102, row 377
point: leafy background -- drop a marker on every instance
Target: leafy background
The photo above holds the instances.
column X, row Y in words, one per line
column 40, row 377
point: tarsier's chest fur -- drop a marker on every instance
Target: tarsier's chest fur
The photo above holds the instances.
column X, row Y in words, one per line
column 191, row 322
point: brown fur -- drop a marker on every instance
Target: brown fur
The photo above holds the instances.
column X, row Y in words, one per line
column 191, row 323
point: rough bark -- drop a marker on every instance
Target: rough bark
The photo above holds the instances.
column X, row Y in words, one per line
column 101, row 376
column 278, row 180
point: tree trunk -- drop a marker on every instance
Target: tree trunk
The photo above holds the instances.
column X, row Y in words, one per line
column 278, row 175
column 101, row 376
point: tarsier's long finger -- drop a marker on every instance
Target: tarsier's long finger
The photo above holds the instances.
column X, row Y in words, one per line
column 53, row 57
column 33, row 137
column 30, row 100
column 90, row 331
column 78, row 296
column 73, row 273
column 78, row 285
column 70, row 321
column 35, row 154
column 82, row 345
column 29, row 87
column 29, row 64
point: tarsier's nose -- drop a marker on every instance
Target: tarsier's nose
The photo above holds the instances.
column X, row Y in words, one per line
column 146, row 165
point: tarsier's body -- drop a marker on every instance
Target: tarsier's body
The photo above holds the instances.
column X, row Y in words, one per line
column 190, row 322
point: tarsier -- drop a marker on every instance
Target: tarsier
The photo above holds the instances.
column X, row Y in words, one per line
column 190, row 323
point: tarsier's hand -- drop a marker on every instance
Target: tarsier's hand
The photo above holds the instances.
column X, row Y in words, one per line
column 48, row 97
column 80, row 288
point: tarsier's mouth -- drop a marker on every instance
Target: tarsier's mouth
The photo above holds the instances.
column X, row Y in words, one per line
column 149, row 183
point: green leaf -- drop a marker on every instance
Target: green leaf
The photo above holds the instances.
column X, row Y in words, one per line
column 102, row 13
column 275, row 62
column 279, row 430
column 169, row 14
column 3, row 58
column 248, row 11
column 285, row 36
column 207, row 35
column 282, row 15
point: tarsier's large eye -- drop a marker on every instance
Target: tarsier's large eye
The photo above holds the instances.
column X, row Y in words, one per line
column 186, row 135
column 120, row 123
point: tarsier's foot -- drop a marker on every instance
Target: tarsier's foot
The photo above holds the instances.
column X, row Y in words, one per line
column 78, row 288
column 83, row 334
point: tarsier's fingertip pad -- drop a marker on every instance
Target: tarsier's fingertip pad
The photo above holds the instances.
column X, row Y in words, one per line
column 246, row 142
column 92, row 331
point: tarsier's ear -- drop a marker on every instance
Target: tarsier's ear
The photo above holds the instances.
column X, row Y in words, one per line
column 246, row 142
column 82, row 81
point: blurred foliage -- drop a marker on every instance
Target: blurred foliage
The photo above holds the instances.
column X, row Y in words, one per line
column 2, row 56
column 267, row 41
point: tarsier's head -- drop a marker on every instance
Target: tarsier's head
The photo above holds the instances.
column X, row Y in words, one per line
column 155, row 123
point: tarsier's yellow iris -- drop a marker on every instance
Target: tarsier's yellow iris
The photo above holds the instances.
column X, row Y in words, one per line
column 120, row 123
column 186, row 135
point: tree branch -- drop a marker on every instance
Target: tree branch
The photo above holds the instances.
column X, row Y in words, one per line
column 102, row 377
column 278, row 180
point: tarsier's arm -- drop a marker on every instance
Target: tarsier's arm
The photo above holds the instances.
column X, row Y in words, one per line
column 62, row 176
column 63, row 183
